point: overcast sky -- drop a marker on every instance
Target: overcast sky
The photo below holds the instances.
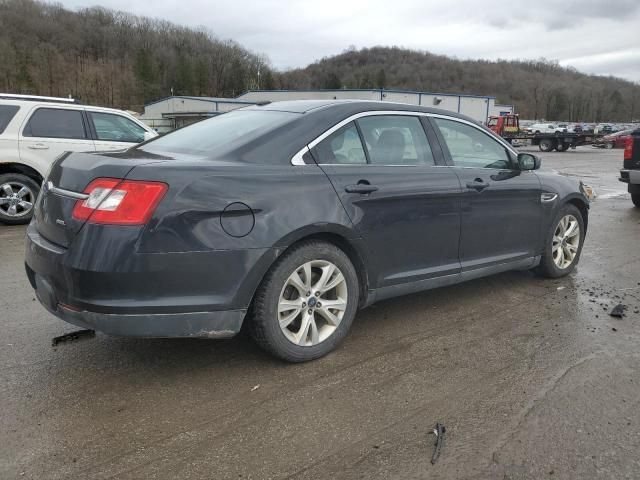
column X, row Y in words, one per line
column 599, row 36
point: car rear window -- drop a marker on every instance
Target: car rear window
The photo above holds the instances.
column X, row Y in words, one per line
column 215, row 134
column 7, row 112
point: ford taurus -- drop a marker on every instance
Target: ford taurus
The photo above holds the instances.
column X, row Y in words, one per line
column 289, row 217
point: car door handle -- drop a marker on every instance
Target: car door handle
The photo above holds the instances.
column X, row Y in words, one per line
column 38, row 146
column 361, row 188
column 478, row 185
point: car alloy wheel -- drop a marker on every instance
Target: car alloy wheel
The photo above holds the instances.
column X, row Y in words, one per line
column 312, row 303
column 16, row 199
column 565, row 242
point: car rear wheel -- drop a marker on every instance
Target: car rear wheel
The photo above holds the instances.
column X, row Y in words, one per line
column 563, row 244
column 305, row 305
column 608, row 145
column 18, row 195
column 635, row 198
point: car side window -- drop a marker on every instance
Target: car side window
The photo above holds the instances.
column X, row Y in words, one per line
column 7, row 112
column 116, row 128
column 341, row 147
column 55, row 123
column 470, row 147
column 396, row 140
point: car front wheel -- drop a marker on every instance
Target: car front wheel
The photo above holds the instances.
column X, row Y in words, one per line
column 563, row 244
column 305, row 305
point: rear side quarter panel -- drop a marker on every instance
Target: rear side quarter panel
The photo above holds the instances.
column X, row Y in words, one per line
column 256, row 209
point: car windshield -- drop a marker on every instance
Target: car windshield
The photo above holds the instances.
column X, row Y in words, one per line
column 214, row 134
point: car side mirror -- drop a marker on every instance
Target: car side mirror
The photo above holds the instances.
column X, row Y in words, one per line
column 527, row 161
column 148, row 136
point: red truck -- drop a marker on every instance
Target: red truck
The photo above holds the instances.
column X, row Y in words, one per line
column 508, row 127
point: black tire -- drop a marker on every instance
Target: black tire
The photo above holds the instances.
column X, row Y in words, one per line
column 546, row 145
column 608, row 145
column 264, row 324
column 15, row 182
column 563, row 147
column 635, row 198
column 547, row 266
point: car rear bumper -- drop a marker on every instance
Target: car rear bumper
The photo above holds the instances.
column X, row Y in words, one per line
column 631, row 178
column 185, row 294
column 219, row 324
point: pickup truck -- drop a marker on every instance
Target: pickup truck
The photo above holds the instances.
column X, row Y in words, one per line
column 630, row 173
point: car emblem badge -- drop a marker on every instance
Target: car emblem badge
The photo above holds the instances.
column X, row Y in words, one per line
column 61, row 222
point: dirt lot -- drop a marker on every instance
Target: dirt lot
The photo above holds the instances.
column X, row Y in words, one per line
column 532, row 378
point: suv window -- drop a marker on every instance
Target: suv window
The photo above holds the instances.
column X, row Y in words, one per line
column 342, row 146
column 55, row 123
column 116, row 128
column 7, row 112
column 470, row 147
column 395, row 140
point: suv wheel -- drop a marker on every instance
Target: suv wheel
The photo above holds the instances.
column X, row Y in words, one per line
column 305, row 305
column 563, row 244
column 18, row 195
column 635, row 198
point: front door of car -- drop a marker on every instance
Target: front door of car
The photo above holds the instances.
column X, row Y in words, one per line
column 501, row 207
column 50, row 131
column 405, row 207
column 113, row 131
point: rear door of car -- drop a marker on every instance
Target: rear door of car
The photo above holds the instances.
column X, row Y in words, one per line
column 398, row 192
column 50, row 131
column 501, row 210
column 112, row 131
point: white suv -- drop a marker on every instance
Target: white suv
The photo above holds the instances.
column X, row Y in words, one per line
column 34, row 131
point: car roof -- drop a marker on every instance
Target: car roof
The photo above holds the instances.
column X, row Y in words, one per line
column 342, row 107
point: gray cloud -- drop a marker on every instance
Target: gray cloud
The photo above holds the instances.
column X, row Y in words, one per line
column 295, row 33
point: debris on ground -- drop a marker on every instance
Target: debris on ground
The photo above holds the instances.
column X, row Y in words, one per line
column 561, row 288
column 71, row 336
column 439, row 431
column 255, row 387
column 618, row 311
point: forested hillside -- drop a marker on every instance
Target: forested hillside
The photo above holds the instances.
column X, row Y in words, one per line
column 116, row 59
column 539, row 88
column 110, row 58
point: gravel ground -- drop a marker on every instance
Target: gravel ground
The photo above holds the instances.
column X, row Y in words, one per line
column 532, row 378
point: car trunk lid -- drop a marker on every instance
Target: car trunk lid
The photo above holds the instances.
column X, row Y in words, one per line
column 64, row 186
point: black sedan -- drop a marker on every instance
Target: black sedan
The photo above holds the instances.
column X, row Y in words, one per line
column 290, row 217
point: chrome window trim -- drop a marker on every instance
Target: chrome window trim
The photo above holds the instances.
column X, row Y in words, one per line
column 298, row 160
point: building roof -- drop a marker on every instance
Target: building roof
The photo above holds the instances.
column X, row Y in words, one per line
column 381, row 91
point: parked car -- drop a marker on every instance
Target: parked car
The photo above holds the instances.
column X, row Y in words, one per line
column 603, row 129
column 290, row 217
column 34, row 131
column 613, row 140
column 544, row 128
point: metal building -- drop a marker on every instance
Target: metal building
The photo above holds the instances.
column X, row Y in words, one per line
column 176, row 111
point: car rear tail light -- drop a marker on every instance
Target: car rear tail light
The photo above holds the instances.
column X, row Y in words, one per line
column 119, row 202
column 628, row 148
